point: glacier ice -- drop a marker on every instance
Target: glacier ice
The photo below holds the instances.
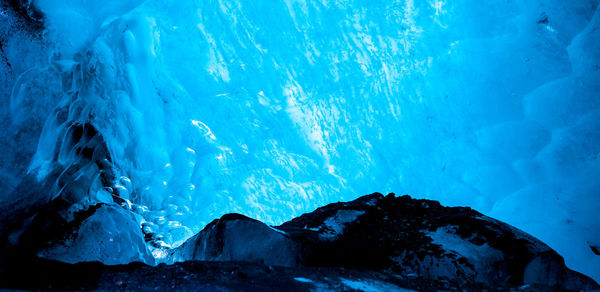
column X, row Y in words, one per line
column 109, row 236
column 274, row 108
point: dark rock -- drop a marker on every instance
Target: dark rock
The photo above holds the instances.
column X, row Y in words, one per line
column 198, row 276
column 372, row 243
column 40, row 274
column 409, row 238
column 236, row 237
column 423, row 238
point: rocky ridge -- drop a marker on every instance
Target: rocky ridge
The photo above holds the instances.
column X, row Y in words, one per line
column 376, row 242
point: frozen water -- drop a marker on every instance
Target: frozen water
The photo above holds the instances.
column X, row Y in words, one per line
column 110, row 236
column 271, row 109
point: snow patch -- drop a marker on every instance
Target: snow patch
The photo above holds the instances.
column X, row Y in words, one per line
column 371, row 286
column 278, row 231
column 447, row 238
column 303, row 280
column 335, row 225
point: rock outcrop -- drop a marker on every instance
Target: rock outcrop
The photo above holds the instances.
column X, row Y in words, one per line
column 236, row 237
column 376, row 242
column 454, row 247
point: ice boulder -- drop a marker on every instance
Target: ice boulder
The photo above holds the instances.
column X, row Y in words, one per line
column 105, row 233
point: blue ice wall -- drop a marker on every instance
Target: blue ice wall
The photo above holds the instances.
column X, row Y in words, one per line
column 273, row 108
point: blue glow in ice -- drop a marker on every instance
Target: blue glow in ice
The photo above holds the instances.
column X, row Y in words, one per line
column 273, row 108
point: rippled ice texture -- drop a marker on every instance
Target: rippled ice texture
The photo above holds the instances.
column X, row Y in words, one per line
column 272, row 108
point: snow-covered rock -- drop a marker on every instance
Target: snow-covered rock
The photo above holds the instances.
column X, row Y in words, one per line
column 374, row 243
column 409, row 238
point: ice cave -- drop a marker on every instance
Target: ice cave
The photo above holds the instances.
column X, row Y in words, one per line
column 129, row 126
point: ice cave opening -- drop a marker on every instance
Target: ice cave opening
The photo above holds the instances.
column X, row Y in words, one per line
column 192, row 109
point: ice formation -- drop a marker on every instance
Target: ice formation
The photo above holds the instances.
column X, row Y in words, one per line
column 271, row 109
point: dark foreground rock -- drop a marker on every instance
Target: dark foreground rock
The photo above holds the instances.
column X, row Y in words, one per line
column 42, row 274
column 199, row 276
column 374, row 243
column 235, row 237
column 396, row 235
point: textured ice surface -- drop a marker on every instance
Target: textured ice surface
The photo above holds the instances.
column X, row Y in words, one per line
column 274, row 108
column 111, row 236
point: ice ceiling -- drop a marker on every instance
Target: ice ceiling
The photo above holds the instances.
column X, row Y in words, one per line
column 273, row 108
